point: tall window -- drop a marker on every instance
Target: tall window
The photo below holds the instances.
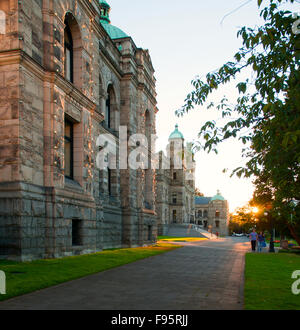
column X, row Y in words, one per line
column 217, row 214
column 174, row 216
column 68, row 149
column 76, row 233
column 69, row 69
column 205, row 214
column 217, row 224
column 174, row 176
column 109, row 182
column 149, row 233
column 174, row 199
column 108, row 110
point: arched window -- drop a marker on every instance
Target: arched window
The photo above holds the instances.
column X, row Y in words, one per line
column 148, row 187
column 69, row 52
column 217, row 214
column 111, row 109
column 205, row 214
column 73, row 62
column 200, row 214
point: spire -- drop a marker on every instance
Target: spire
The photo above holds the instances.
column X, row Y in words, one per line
column 104, row 11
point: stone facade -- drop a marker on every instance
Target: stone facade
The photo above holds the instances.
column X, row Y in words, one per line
column 212, row 213
column 51, row 86
column 175, row 184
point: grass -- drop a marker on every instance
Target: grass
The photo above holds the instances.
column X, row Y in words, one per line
column 268, row 281
column 22, row 278
column 180, row 239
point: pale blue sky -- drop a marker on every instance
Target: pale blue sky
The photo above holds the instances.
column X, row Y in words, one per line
column 185, row 39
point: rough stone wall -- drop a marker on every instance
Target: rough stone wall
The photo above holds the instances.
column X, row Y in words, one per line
column 222, row 207
column 209, row 221
column 39, row 205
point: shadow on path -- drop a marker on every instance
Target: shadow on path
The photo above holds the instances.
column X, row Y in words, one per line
column 201, row 275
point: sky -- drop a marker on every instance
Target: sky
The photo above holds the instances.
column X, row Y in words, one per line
column 186, row 39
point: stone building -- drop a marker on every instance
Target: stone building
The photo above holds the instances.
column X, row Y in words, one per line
column 175, row 184
column 66, row 76
column 212, row 213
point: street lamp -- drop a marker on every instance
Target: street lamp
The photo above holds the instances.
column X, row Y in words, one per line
column 271, row 248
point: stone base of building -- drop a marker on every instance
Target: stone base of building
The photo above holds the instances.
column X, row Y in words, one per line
column 163, row 229
column 38, row 222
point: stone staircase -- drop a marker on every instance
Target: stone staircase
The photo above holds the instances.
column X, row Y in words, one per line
column 188, row 230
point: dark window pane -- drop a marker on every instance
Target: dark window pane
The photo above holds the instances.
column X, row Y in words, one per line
column 68, row 149
column 76, row 233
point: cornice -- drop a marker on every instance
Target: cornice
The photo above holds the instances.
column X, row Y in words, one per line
column 109, row 60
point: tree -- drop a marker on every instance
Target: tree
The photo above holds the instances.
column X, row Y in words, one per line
column 243, row 220
column 267, row 109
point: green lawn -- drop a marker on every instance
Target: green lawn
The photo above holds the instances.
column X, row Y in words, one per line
column 268, row 281
column 27, row 277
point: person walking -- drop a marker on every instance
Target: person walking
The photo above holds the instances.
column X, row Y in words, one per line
column 253, row 239
column 261, row 241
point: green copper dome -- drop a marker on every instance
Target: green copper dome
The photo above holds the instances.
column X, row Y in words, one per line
column 176, row 134
column 218, row 197
column 113, row 31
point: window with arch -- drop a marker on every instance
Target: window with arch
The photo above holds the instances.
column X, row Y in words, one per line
column 111, row 109
column 69, row 52
column 205, row 214
column 200, row 214
column 217, row 214
column 72, row 51
column 148, row 187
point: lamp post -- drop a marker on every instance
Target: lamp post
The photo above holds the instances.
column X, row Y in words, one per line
column 271, row 248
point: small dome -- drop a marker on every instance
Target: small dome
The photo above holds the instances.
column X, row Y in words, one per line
column 113, row 31
column 176, row 134
column 218, row 197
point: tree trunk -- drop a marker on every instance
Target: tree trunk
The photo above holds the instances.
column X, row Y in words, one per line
column 294, row 233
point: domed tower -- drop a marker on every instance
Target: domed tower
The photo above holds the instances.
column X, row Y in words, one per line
column 113, row 31
column 176, row 147
column 219, row 214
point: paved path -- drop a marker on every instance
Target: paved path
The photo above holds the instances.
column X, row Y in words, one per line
column 202, row 275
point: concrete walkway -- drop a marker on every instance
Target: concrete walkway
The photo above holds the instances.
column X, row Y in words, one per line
column 202, row 275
